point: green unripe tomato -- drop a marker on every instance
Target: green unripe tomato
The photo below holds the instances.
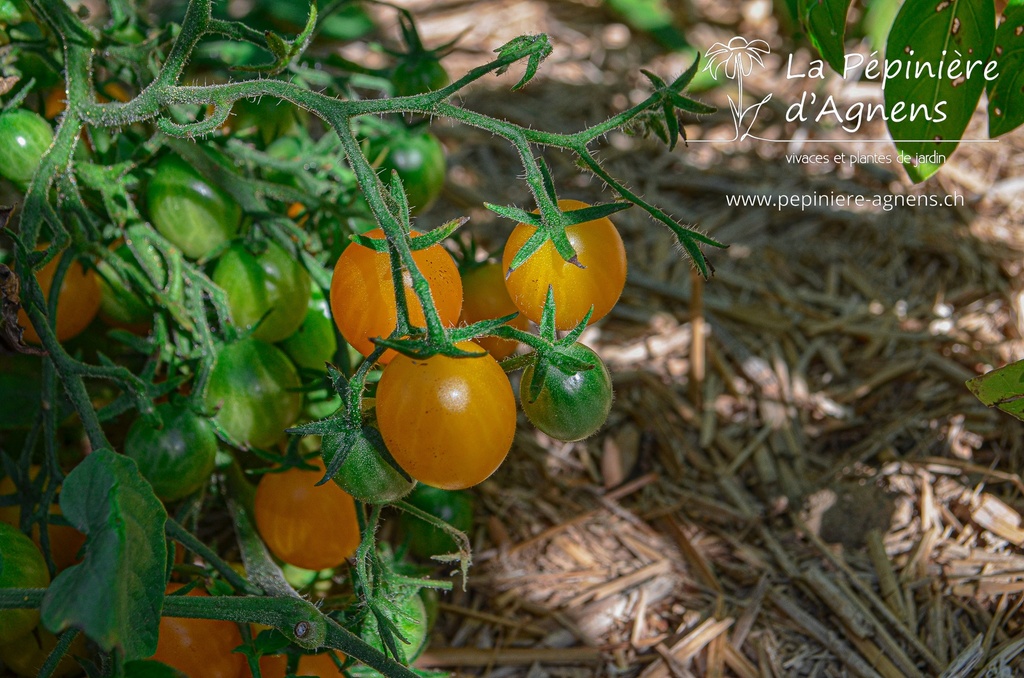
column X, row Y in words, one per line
column 13, row 12
column 120, row 306
column 178, row 459
column 188, row 210
column 569, row 406
column 267, row 117
column 419, row 160
column 272, row 286
column 455, row 508
column 418, row 75
column 283, row 148
column 412, row 625
column 314, row 343
column 21, row 567
column 24, row 138
column 365, row 474
column 256, row 388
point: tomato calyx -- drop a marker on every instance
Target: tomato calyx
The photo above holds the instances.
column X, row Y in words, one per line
column 417, row 242
column 551, row 222
column 353, row 451
column 419, row 69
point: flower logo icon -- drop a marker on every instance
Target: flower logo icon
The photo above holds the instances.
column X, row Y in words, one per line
column 737, row 60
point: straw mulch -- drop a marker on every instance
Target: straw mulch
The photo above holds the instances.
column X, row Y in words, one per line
column 794, row 480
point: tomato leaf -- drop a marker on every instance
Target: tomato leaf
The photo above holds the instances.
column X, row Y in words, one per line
column 1006, row 92
column 116, row 593
column 928, row 112
column 825, row 22
column 535, row 48
column 1002, row 388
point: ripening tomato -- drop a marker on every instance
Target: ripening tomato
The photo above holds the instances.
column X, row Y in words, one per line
column 199, row 648
column 487, row 298
column 569, row 406
column 449, row 422
column 26, row 654
column 177, row 459
column 363, row 297
column 195, row 215
column 65, row 542
column 319, row 665
column 23, row 568
column 305, row 525
column 599, row 284
column 255, row 387
column 24, row 138
column 272, row 287
column 314, row 344
column 77, row 303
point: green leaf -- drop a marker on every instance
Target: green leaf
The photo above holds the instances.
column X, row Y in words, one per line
column 928, row 114
column 535, row 48
column 825, row 22
column 1006, row 92
column 116, row 593
column 877, row 22
column 653, row 16
column 1002, row 388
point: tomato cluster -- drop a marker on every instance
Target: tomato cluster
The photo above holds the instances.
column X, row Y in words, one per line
column 434, row 423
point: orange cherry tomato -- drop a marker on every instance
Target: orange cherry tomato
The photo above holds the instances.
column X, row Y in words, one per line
column 363, row 297
column 449, row 422
column 320, row 665
column 487, row 298
column 304, row 525
column 199, row 648
column 274, row 666
column 599, row 284
column 65, row 542
column 77, row 305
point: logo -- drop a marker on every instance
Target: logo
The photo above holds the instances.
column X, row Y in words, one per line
column 738, row 58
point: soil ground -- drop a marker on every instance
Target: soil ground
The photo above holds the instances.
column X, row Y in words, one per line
column 794, row 480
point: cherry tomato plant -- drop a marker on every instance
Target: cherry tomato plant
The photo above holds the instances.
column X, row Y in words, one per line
column 208, row 181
